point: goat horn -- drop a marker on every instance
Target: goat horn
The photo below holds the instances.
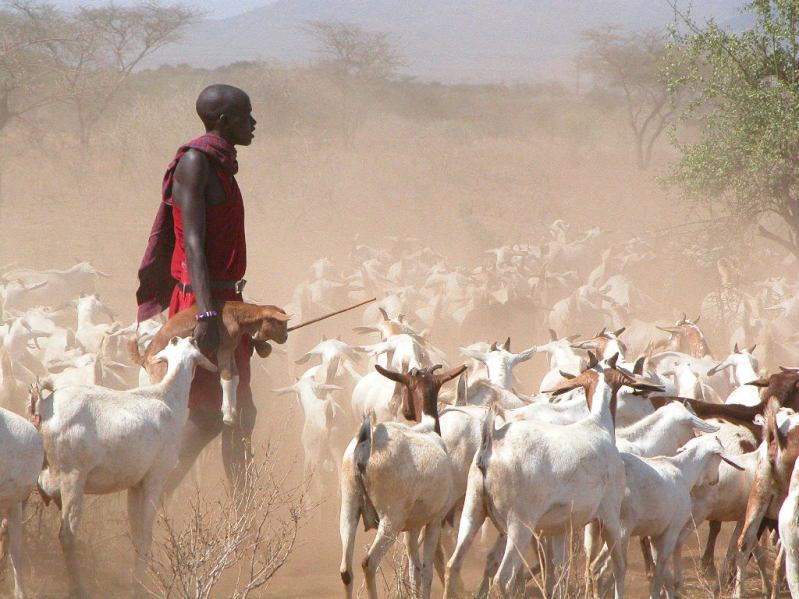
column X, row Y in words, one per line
column 506, row 345
column 553, row 336
column 383, row 314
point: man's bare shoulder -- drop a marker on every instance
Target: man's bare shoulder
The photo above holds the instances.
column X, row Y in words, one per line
column 192, row 164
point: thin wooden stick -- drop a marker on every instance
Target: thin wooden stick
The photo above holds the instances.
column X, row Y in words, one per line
column 326, row 316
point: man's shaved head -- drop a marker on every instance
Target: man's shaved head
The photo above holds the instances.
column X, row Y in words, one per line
column 226, row 110
column 218, row 99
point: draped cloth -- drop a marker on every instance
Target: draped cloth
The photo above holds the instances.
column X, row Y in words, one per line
column 164, row 261
column 164, row 258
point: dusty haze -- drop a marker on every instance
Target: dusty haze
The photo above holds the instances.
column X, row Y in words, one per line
column 461, row 168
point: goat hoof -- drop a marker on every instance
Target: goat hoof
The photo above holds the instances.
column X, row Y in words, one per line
column 228, row 419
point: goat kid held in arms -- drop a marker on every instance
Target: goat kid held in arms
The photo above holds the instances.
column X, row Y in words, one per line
column 197, row 255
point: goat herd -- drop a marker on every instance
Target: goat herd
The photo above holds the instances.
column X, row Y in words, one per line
column 636, row 431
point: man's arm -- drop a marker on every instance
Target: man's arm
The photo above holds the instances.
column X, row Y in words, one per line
column 191, row 177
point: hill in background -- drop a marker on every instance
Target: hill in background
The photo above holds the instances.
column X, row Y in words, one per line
column 452, row 41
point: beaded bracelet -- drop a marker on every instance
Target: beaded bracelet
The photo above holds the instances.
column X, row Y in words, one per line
column 202, row 316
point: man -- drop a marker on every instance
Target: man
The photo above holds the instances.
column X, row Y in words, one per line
column 197, row 254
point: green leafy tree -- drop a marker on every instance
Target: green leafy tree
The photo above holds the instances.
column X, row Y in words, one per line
column 740, row 152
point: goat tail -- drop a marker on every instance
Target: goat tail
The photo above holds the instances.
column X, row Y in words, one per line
column 363, row 447
column 133, row 352
column 35, row 400
column 771, row 435
column 487, row 438
column 360, row 459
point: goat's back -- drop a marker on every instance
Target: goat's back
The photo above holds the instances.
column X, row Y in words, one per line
column 22, row 456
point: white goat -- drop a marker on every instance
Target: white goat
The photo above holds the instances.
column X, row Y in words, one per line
column 52, row 287
column 789, row 532
column 562, row 358
column 500, row 362
column 530, row 478
column 401, row 477
column 744, row 370
column 22, row 456
column 323, row 425
column 91, row 331
column 663, row 432
column 101, row 441
column 657, row 499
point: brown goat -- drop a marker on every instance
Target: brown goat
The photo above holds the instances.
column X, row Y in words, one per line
column 261, row 323
column 421, row 386
column 691, row 338
column 774, row 470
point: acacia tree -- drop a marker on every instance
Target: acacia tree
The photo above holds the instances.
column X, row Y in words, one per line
column 629, row 62
column 93, row 51
column 744, row 87
column 353, row 55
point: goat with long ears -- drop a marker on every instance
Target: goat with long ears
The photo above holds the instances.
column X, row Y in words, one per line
column 530, row 477
column 605, row 343
column 690, row 337
column 422, row 386
column 399, row 478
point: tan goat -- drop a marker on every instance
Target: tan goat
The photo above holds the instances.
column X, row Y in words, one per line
column 260, row 323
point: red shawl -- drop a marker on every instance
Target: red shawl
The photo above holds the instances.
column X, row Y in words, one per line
column 156, row 281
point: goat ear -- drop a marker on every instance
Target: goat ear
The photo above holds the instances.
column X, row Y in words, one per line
column 364, row 330
column 473, row 354
column 644, row 387
column 761, row 382
column 398, row 377
column 280, row 316
column 174, row 340
column 283, row 390
column 462, row 393
column 669, row 330
column 732, row 462
column 506, row 345
column 448, row 375
column 619, row 331
column 592, row 360
column 735, row 349
column 564, row 386
column 553, row 336
column 303, row 359
column 638, row 367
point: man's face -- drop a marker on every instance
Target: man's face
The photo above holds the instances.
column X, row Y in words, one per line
column 241, row 124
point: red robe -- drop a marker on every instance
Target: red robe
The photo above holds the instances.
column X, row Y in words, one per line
column 226, row 255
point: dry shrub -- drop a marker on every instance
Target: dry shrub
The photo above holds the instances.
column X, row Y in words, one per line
column 249, row 537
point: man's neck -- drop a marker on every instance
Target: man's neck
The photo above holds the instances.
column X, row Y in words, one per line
column 219, row 134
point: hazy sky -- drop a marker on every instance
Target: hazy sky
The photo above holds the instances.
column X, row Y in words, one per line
column 216, row 9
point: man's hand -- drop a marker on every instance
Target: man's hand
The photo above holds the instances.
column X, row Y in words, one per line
column 206, row 334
